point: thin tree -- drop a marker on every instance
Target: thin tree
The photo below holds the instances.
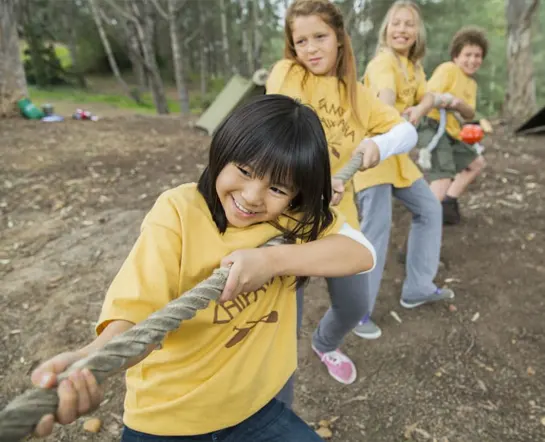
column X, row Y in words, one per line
column 109, row 53
column 225, row 38
column 171, row 16
column 140, row 14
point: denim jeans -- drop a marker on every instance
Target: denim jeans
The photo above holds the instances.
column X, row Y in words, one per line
column 275, row 422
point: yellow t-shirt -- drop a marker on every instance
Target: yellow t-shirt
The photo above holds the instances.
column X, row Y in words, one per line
column 408, row 82
column 329, row 100
column 227, row 362
column 449, row 78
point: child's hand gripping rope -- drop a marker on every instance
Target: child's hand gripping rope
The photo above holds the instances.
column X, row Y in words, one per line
column 19, row 418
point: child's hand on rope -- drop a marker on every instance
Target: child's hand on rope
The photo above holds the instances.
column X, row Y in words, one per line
column 338, row 191
column 412, row 114
column 249, row 270
column 371, row 154
column 454, row 103
column 443, row 101
column 78, row 395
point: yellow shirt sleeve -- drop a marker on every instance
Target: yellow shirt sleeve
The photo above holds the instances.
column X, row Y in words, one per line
column 278, row 76
column 150, row 276
column 336, row 225
column 382, row 117
column 381, row 74
column 441, row 79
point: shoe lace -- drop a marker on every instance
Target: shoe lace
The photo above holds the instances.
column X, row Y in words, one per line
column 334, row 357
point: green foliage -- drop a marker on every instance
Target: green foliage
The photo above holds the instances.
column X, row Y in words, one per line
column 44, row 67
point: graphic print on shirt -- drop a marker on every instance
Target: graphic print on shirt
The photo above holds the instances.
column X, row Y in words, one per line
column 270, row 318
column 335, row 125
column 224, row 313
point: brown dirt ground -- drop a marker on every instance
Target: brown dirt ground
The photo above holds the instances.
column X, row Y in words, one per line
column 73, row 194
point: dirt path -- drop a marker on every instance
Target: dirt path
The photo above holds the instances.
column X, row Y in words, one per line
column 72, row 196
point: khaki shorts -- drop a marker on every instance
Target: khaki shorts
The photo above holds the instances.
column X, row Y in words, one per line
column 450, row 156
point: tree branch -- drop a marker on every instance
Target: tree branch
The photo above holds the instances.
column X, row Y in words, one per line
column 191, row 37
column 181, row 4
column 121, row 11
column 160, row 10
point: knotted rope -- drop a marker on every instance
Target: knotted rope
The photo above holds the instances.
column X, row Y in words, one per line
column 21, row 415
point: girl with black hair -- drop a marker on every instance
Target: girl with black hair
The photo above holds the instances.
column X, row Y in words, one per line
column 216, row 377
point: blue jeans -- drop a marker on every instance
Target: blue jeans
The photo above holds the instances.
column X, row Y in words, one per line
column 275, row 422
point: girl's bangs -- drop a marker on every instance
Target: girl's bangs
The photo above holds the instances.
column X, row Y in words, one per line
column 280, row 159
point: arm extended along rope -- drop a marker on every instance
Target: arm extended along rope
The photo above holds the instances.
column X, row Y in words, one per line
column 21, row 415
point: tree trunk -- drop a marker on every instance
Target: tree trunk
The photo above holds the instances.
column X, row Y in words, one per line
column 258, row 39
column 73, row 46
column 13, row 85
column 145, row 35
column 203, row 48
column 136, row 58
column 177, row 57
column 225, row 38
column 520, row 97
column 110, row 54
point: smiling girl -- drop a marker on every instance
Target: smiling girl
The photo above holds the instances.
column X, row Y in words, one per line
column 215, row 378
column 319, row 70
column 397, row 77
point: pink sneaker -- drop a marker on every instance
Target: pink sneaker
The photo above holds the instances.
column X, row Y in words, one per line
column 339, row 366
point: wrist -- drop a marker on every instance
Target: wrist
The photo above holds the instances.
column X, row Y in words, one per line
column 274, row 260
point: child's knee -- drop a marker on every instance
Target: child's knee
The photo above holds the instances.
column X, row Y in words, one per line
column 434, row 211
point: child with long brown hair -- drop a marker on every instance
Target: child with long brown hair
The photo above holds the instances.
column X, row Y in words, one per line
column 397, row 77
column 319, row 69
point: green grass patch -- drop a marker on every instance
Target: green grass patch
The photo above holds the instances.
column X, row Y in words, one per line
column 72, row 95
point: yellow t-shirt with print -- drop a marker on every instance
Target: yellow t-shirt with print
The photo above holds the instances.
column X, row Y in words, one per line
column 231, row 359
column 329, row 100
column 408, row 82
column 449, row 78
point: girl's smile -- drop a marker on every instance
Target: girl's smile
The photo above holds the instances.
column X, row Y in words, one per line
column 402, row 31
column 248, row 199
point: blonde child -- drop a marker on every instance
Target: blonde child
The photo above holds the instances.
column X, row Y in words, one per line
column 397, row 77
column 319, row 70
column 455, row 164
column 208, row 382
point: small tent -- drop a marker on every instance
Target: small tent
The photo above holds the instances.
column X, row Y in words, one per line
column 237, row 91
column 535, row 125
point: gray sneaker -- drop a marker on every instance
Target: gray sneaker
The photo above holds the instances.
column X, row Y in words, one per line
column 367, row 330
column 438, row 295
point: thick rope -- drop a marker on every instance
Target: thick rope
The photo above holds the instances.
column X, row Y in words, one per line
column 424, row 154
column 21, row 415
column 348, row 171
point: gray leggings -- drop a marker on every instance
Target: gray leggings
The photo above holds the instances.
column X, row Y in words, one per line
column 424, row 244
column 349, row 304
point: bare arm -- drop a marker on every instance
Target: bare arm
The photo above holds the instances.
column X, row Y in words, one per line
column 112, row 330
column 387, row 96
column 343, row 254
column 465, row 110
column 332, row 256
column 426, row 104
